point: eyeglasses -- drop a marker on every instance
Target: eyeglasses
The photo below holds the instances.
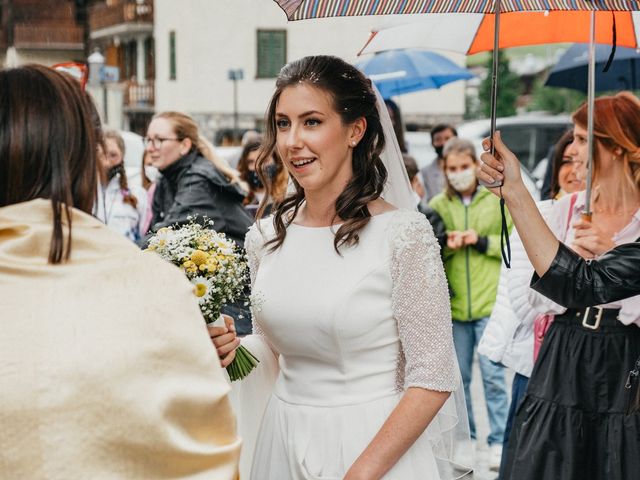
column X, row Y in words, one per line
column 157, row 141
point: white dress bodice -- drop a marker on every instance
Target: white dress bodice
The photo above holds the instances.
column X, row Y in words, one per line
column 349, row 321
column 351, row 330
column 330, row 317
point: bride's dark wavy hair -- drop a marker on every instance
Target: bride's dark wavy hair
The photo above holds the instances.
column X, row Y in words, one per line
column 353, row 98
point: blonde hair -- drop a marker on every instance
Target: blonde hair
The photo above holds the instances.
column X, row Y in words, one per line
column 186, row 127
column 208, row 151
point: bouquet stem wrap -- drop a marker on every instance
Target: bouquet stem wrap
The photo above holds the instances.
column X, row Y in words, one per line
column 244, row 361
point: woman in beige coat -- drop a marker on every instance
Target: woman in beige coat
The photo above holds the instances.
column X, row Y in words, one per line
column 106, row 368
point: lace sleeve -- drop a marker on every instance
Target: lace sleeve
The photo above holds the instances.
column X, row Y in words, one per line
column 421, row 306
column 254, row 244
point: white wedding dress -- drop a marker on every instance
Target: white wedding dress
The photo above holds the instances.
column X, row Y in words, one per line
column 351, row 332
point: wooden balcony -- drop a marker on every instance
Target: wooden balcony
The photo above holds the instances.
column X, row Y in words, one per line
column 50, row 11
column 126, row 12
column 47, row 36
column 140, row 95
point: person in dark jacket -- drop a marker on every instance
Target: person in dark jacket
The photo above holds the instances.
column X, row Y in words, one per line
column 561, row 274
column 583, row 375
column 575, row 283
column 190, row 184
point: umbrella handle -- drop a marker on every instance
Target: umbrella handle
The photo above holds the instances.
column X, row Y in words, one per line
column 494, row 87
column 586, row 217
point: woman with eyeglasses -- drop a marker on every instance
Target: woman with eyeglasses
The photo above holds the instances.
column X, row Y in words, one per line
column 191, row 185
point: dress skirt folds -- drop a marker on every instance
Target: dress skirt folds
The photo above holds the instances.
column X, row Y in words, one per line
column 572, row 424
column 350, row 333
column 321, row 443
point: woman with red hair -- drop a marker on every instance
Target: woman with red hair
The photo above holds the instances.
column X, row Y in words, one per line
column 573, row 422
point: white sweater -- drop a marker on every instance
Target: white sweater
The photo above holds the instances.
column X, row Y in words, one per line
column 508, row 337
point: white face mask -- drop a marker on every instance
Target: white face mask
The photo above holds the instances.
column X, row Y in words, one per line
column 462, row 181
column 152, row 173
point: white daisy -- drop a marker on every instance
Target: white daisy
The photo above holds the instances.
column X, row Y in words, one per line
column 202, row 288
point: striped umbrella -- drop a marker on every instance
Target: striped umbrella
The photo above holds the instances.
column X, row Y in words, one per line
column 305, row 9
column 473, row 32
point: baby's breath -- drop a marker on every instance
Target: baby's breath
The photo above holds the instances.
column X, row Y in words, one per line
column 203, row 253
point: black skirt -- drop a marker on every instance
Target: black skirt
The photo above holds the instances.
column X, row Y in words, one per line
column 572, row 423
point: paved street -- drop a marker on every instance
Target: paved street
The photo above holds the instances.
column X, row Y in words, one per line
column 482, row 471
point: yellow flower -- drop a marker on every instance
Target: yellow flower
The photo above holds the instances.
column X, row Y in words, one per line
column 199, row 257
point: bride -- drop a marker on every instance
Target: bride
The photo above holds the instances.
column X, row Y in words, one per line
column 350, row 295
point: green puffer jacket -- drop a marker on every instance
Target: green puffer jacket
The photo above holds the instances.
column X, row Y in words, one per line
column 473, row 275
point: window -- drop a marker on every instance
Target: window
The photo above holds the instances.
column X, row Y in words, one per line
column 172, row 55
column 149, row 54
column 272, row 52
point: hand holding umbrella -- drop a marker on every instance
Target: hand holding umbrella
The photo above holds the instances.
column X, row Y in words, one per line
column 502, row 166
column 539, row 241
column 591, row 241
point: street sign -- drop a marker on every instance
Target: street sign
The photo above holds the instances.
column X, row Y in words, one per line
column 110, row 73
column 235, row 74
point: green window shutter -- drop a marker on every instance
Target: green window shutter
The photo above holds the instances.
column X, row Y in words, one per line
column 272, row 52
column 172, row 55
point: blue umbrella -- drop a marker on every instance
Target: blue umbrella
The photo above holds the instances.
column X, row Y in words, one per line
column 402, row 71
column 571, row 69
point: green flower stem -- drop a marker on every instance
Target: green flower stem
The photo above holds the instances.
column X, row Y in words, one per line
column 242, row 364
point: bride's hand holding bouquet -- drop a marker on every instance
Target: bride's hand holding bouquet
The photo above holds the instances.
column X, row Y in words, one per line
column 225, row 340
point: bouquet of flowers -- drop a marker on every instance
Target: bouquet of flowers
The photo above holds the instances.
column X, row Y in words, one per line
column 216, row 268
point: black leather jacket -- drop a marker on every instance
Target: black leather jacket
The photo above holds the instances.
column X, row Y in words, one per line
column 193, row 186
column 575, row 283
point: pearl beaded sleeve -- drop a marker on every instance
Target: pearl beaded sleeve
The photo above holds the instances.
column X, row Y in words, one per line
column 421, row 306
column 254, row 244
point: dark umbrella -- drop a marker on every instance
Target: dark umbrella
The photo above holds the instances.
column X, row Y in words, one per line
column 571, row 69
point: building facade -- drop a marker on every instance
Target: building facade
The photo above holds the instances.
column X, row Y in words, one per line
column 40, row 31
column 199, row 43
column 122, row 32
column 55, row 31
column 214, row 59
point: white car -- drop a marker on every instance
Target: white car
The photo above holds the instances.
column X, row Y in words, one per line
column 231, row 155
column 528, row 136
column 419, row 147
